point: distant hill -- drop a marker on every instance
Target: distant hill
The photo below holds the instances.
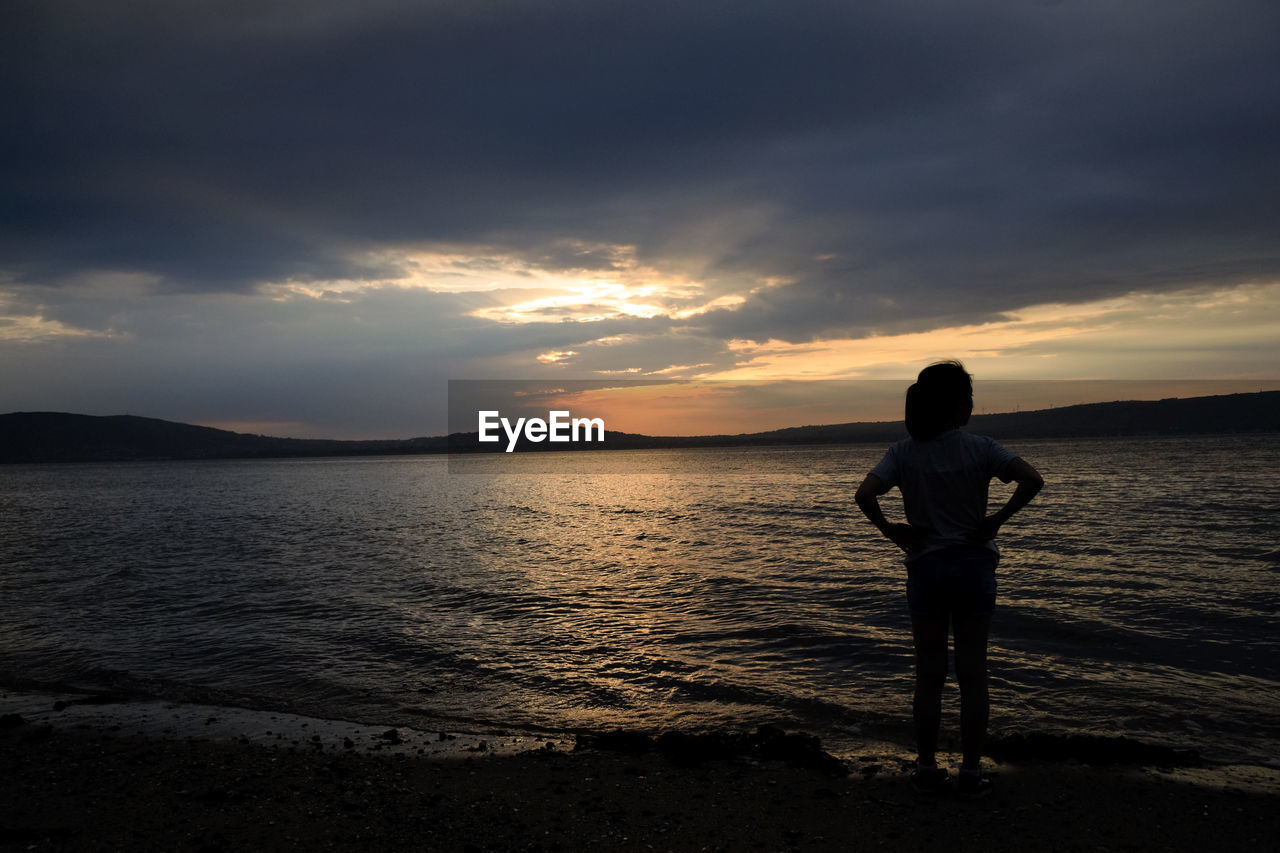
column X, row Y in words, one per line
column 1223, row 414
column 61, row 437
column 1229, row 413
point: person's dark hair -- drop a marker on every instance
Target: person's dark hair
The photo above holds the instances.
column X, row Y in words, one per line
column 941, row 399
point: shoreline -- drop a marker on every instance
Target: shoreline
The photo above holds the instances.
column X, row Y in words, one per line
column 151, row 715
column 162, row 719
column 77, row 783
column 86, row 789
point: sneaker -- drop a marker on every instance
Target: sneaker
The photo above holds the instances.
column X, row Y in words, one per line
column 972, row 786
column 929, row 780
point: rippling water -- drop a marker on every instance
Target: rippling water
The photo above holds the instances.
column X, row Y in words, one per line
column 698, row 588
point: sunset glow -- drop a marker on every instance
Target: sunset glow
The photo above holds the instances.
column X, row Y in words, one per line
column 1164, row 336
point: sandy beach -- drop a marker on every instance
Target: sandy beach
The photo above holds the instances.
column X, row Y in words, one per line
column 86, row 787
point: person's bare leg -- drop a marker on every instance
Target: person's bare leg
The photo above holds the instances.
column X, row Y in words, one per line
column 930, row 635
column 971, row 674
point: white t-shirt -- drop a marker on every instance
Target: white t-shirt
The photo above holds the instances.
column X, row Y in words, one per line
column 944, row 483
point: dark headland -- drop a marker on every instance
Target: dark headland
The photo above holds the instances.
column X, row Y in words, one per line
column 62, row 437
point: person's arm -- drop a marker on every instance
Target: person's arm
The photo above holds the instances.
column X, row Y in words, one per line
column 867, row 497
column 1029, row 485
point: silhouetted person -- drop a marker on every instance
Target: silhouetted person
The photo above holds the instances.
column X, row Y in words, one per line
column 943, row 473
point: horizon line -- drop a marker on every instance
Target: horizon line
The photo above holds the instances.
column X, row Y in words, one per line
column 707, row 435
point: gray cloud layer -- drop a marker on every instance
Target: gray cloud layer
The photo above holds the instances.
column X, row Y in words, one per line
column 903, row 164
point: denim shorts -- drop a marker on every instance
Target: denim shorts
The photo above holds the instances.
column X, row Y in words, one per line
column 957, row 581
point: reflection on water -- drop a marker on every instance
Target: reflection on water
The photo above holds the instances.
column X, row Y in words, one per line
column 683, row 588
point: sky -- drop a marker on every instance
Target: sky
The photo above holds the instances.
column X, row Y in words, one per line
column 305, row 218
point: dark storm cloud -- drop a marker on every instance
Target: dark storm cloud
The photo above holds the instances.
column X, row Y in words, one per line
column 900, row 164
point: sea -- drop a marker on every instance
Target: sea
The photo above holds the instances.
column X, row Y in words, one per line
column 651, row 590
